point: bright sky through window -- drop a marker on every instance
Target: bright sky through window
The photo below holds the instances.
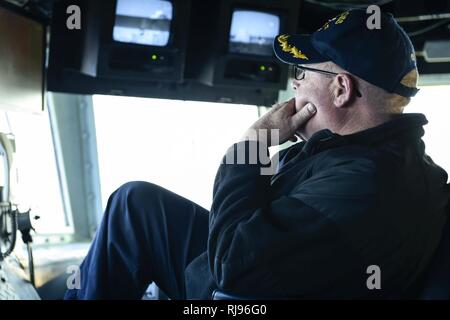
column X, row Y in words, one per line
column 433, row 101
column 175, row 144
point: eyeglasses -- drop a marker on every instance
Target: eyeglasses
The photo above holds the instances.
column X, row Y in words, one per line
column 299, row 74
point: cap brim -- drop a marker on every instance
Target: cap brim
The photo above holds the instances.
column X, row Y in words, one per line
column 296, row 49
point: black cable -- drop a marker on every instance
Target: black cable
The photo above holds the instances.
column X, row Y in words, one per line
column 426, row 17
column 31, row 264
column 26, row 3
column 13, row 234
column 25, row 228
column 349, row 4
column 428, row 28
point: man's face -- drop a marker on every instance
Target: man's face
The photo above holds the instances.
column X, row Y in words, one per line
column 314, row 88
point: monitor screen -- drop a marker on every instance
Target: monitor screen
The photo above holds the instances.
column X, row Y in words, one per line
column 144, row 22
column 253, row 32
column 21, row 62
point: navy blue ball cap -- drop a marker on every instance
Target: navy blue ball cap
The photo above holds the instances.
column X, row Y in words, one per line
column 382, row 57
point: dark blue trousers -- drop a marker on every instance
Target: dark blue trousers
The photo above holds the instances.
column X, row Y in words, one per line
column 148, row 234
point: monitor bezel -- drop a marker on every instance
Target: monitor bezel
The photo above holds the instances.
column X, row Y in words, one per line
column 177, row 45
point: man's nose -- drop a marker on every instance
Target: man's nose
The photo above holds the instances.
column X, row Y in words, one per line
column 295, row 84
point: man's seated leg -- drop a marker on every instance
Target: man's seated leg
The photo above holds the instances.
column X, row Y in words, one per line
column 147, row 234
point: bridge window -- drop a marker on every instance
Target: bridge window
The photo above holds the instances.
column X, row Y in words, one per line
column 433, row 102
column 175, row 144
column 35, row 181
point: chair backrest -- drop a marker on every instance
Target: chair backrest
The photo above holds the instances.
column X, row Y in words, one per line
column 437, row 278
column 436, row 281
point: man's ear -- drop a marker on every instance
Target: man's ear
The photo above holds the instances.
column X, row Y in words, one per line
column 343, row 90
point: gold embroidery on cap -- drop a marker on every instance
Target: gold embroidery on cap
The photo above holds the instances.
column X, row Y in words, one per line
column 326, row 26
column 342, row 17
column 286, row 47
column 338, row 20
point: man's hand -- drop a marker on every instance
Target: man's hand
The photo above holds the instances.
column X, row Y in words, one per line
column 282, row 117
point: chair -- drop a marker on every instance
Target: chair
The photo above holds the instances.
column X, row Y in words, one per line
column 436, row 281
column 437, row 278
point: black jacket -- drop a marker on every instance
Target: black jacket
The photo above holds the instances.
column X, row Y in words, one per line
column 338, row 205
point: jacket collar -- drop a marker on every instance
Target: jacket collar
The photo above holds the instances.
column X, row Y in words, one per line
column 409, row 124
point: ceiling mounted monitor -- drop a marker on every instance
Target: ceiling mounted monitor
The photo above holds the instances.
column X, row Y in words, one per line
column 238, row 50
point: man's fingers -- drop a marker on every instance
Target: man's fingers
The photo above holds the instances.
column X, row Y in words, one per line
column 305, row 113
column 276, row 106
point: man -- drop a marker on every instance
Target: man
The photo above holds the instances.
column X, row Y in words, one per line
column 359, row 194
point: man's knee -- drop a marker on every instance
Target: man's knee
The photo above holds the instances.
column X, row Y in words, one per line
column 135, row 196
column 139, row 191
column 138, row 188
